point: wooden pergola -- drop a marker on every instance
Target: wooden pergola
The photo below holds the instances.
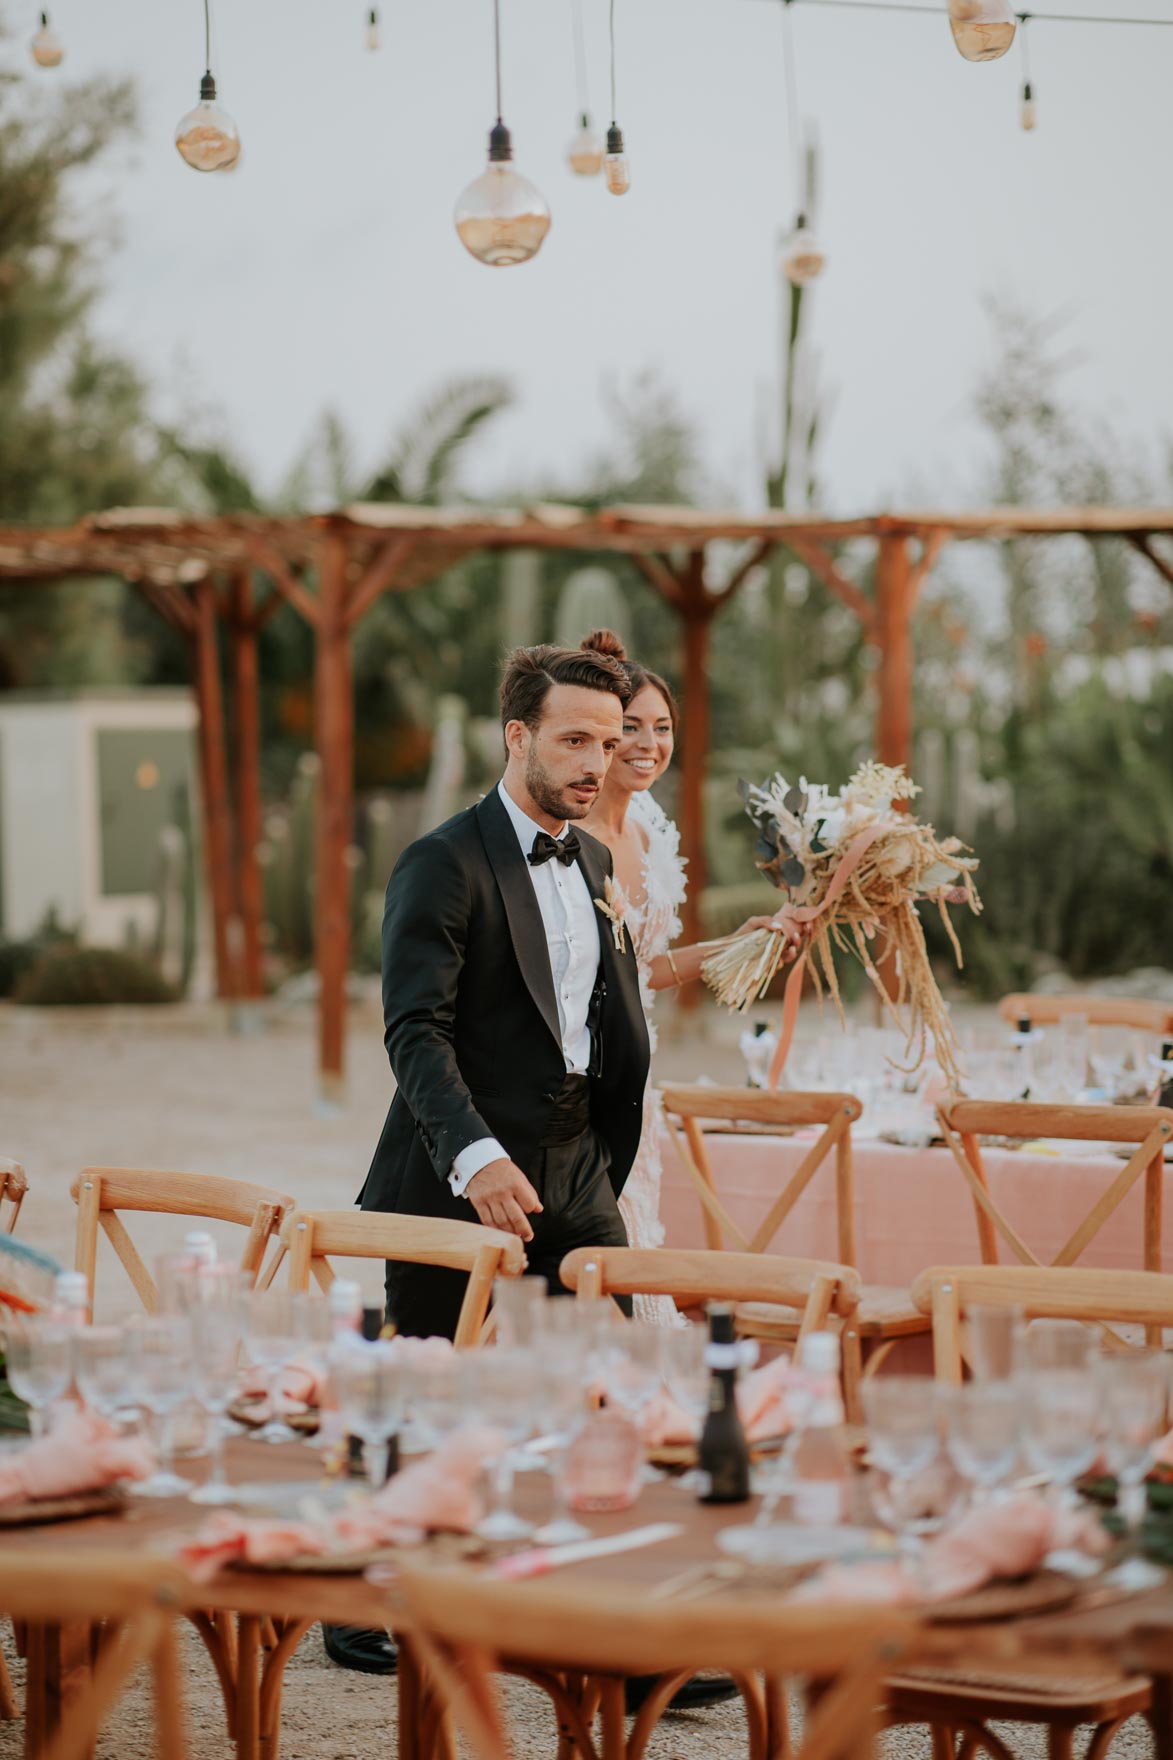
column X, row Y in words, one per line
column 233, row 571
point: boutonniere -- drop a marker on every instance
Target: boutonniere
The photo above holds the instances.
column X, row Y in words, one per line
column 613, row 906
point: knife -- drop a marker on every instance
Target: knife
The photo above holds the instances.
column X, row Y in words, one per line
column 539, row 1559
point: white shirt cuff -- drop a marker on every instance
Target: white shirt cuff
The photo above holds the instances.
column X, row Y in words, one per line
column 470, row 1161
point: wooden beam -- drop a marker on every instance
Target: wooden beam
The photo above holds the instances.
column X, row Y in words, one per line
column 214, row 783
column 932, row 543
column 334, row 737
column 246, row 703
column 262, row 554
column 662, row 576
column 822, row 565
column 754, row 560
column 171, row 603
column 379, row 577
column 1143, row 542
column 262, row 613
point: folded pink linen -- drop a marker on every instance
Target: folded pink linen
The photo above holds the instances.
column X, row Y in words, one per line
column 300, row 1385
column 82, row 1452
column 434, row 1495
column 1008, row 1539
column 768, row 1402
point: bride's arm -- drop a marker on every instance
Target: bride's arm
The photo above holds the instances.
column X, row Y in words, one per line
column 683, row 964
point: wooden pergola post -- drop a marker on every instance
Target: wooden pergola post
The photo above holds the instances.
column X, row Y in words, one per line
column 894, row 604
column 247, row 755
column 214, row 787
column 334, row 738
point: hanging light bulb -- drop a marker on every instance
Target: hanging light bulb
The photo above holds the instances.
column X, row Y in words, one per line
column 1029, row 114
column 615, row 167
column 373, row 39
column 47, row 47
column 803, row 257
column 982, row 29
column 585, row 152
column 501, row 219
column 207, row 137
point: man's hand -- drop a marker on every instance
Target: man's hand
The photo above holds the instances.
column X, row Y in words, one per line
column 503, row 1198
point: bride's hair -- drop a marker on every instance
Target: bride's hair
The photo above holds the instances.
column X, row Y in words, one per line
column 605, row 641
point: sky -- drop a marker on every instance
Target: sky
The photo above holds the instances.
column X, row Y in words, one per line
column 326, row 271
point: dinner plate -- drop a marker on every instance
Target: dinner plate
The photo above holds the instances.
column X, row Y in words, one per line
column 62, row 1509
column 245, row 1411
column 1008, row 1597
column 795, row 1543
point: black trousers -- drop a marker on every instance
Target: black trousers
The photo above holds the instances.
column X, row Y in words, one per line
column 571, row 1175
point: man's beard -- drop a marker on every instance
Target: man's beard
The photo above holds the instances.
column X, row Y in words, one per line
column 544, row 791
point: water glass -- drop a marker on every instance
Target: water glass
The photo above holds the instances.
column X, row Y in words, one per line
column 104, row 1371
column 993, row 1340
column 1059, row 1344
column 686, row 1370
column 436, row 1398
column 983, row 1432
column 218, row 1296
column 164, row 1360
column 519, row 1307
column 38, row 1356
column 371, row 1385
column 504, row 1390
column 271, row 1339
column 1061, row 1423
column 562, row 1402
column 633, row 1365
column 1134, row 1391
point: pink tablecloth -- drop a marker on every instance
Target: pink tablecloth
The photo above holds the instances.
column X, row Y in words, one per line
column 913, row 1209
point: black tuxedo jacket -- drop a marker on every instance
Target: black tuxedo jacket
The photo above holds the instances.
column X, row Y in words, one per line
column 471, row 1017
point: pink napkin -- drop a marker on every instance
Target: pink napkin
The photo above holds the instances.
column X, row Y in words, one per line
column 1007, row 1539
column 300, row 1385
column 82, row 1452
column 766, row 1400
column 437, row 1494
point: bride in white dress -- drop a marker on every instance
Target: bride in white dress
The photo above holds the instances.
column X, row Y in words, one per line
column 649, row 871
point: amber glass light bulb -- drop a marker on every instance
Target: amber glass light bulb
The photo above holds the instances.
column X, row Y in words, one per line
column 803, row 257
column 207, row 137
column 585, row 152
column 47, row 47
column 373, row 38
column 1029, row 117
column 616, row 170
column 982, row 29
column 501, row 218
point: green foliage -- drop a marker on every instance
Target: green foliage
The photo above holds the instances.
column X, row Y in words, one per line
column 76, row 977
column 19, row 957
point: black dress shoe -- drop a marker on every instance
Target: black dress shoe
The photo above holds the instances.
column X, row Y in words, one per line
column 355, row 1647
column 697, row 1693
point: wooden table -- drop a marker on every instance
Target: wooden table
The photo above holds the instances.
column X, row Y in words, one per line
column 253, row 1621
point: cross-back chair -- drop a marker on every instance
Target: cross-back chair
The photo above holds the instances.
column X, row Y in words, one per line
column 313, row 1237
column 1102, row 1298
column 135, row 1601
column 1098, row 1011
column 885, row 1313
column 817, row 1289
column 462, row 1628
column 103, row 1194
column 1148, row 1128
column 13, row 1187
column 1060, row 1695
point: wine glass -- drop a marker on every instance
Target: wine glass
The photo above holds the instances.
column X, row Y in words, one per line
column 993, row 1336
column 218, row 1295
column 436, row 1397
column 270, row 1335
column 103, row 1371
column 519, row 1305
column 505, row 1392
column 633, row 1366
column 163, row 1360
column 903, row 1433
column 983, row 1432
column 1134, row 1389
column 315, row 1328
column 1059, row 1344
column 371, row 1387
column 39, row 1364
column 562, row 1401
column 1061, row 1424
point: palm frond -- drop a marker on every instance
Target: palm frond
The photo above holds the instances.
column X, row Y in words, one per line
column 421, row 463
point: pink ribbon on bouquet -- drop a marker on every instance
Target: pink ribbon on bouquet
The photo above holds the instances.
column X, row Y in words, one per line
column 800, row 917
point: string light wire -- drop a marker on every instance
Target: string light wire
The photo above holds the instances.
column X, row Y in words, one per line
column 580, row 73
column 497, row 54
column 614, row 109
column 939, row 11
column 792, row 103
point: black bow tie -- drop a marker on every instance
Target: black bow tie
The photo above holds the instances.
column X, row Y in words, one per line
column 553, row 849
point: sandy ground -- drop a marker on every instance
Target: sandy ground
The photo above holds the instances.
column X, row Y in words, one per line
column 176, row 1089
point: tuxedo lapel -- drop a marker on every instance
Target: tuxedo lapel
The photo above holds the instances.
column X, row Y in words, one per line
column 620, row 971
column 526, row 929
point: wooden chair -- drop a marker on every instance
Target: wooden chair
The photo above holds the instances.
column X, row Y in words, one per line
column 885, row 1313
column 1099, row 1011
column 1150, row 1128
column 312, row 1236
column 1138, row 1298
column 135, row 1603
column 102, row 1193
column 13, row 1187
column 462, row 1627
column 1059, row 1695
column 816, row 1289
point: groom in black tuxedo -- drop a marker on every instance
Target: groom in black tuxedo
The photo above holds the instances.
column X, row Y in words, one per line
column 513, row 1018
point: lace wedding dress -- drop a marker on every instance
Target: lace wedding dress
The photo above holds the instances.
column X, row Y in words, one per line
column 653, row 924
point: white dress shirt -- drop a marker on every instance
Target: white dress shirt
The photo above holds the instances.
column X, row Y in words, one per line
column 572, row 936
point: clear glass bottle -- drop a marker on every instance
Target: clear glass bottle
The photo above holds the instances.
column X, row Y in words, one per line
column 200, row 1246
column 71, row 1299
column 757, row 1048
column 1023, row 1039
column 820, row 1461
